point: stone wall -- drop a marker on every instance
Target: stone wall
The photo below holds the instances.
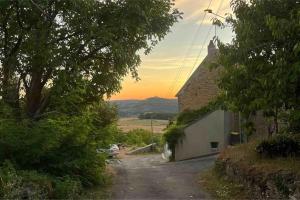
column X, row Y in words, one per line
column 262, row 184
column 201, row 87
column 200, row 90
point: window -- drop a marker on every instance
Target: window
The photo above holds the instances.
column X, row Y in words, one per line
column 214, row 146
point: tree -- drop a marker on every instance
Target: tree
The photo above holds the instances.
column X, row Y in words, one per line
column 51, row 48
column 261, row 65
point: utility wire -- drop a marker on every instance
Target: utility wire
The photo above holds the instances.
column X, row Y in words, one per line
column 179, row 72
column 204, row 43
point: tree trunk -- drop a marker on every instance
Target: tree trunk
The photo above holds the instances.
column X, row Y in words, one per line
column 276, row 121
column 10, row 88
column 34, row 95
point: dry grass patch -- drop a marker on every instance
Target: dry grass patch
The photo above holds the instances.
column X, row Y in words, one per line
column 101, row 192
column 249, row 164
column 128, row 124
column 245, row 155
column 219, row 187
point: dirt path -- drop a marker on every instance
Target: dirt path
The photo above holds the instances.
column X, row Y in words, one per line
column 150, row 177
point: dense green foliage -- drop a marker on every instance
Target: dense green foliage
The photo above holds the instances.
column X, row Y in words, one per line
column 189, row 116
column 58, row 61
column 141, row 137
column 33, row 185
column 137, row 138
column 282, row 145
column 173, row 136
column 49, row 47
column 292, row 119
column 60, row 145
column 220, row 187
column 261, row 65
column 155, row 115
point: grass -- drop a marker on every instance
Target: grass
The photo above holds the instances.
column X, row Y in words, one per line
column 128, row 124
column 246, row 156
column 97, row 193
column 101, row 192
column 221, row 188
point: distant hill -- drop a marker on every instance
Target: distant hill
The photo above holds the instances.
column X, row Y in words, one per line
column 133, row 108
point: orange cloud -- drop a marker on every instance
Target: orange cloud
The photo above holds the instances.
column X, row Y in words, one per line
column 166, row 69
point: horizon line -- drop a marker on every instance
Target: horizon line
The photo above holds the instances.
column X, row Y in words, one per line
column 138, row 99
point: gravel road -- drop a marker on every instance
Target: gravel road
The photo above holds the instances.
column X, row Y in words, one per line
column 150, row 177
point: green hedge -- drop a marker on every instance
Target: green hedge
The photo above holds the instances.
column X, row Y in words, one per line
column 282, row 145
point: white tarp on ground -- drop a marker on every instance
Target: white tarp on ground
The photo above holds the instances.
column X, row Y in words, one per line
column 167, row 152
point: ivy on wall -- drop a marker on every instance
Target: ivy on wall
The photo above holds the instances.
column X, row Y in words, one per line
column 175, row 132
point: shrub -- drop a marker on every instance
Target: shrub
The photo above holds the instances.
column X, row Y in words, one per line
column 283, row 145
column 60, row 147
column 157, row 115
column 189, row 116
column 10, row 182
column 219, row 168
column 113, row 136
column 54, row 155
column 35, row 185
column 294, row 121
column 66, row 188
column 173, row 136
column 24, row 184
column 141, row 137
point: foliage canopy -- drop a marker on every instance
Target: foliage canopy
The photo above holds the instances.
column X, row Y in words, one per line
column 58, row 60
column 49, row 48
column 262, row 64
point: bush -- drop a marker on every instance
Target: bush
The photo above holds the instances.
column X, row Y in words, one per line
column 141, row 137
column 136, row 138
column 24, row 184
column 54, row 155
column 159, row 116
column 10, row 182
column 283, row 145
column 60, row 147
column 173, row 136
column 189, row 116
column 294, row 121
column 35, row 185
column 219, row 168
column 66, row 188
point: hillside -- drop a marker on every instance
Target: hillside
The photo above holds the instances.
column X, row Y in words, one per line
column 131, row 108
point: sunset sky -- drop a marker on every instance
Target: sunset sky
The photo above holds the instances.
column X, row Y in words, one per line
column 169, row 65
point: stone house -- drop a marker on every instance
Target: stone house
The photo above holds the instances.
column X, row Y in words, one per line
column 215, row 131
column 201, row 87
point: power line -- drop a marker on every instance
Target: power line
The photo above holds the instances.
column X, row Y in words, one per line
column 205, row 41
column 199, row 54
column 178, row 74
